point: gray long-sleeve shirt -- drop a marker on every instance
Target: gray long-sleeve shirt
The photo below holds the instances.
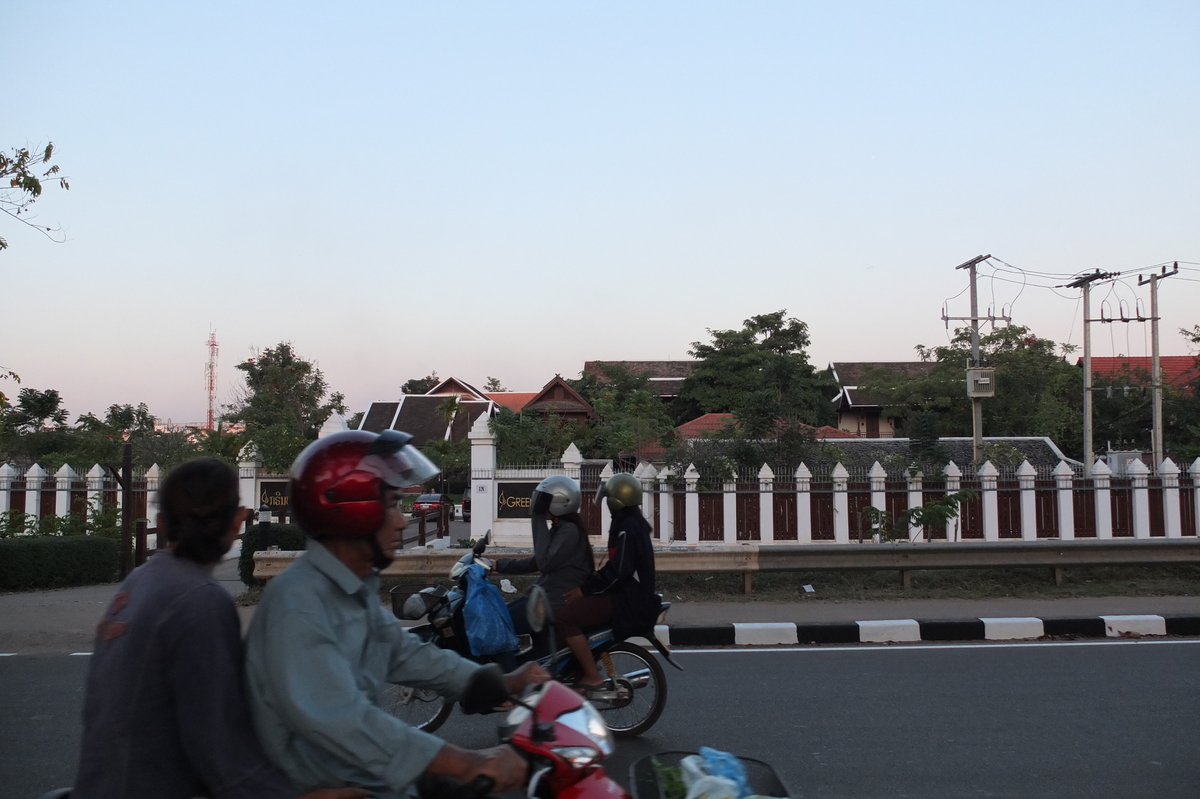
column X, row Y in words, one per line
column 318, row 653
column 562, row 553
column 164, row 715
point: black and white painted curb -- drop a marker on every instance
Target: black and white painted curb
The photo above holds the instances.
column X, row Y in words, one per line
column 885, row 631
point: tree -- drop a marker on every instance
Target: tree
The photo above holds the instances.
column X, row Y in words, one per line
column 36, row 409
column 420, row 385
column 23, row 173
column 493, row 385
column 760, row 373
column 1037, row 392
column 283, row 404
column 628, row 416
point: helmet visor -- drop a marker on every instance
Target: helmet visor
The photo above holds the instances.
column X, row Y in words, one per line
column 601, row 493
column 396, row 462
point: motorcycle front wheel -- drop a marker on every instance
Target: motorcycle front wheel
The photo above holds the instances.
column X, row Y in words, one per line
column 642, row 670
column 419, row 708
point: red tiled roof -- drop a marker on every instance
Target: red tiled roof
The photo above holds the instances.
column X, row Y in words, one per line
column 513, row 400
column 708, row 423
column 1177, row 370
column 825, row 431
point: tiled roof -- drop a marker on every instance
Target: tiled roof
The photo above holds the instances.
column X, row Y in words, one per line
column 708, row 423
column 852, row 373
column 452, row 385
column 1177, row 370
column 468, row 412
column 558, row 397
column 379, row 416
column 513, row 400
column 666, row 377
column 419, row 416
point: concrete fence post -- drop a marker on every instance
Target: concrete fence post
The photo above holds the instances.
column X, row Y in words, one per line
column 1139, row 474
column 645, row 473
column 803, row 478
column 1195, row 472
column 691, row 505
column 484, row 499
column 248, row 464
column 666, row 506
column 1064, row 482
column 953, row 483
column 729, row 512
column 878, row 478
column 33, row 490
column 841, row 504
column 1172, row 518
column 152, row 477
column 605, row 513
column 7, row 475
column 988, row 478
column 766, row 504
column 1026, row 475
column 572, row 461
column 95, row 489
column 63, row 479
column 916, row 499
column 1101, row 480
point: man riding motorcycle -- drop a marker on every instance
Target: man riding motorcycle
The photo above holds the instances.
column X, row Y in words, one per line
column 321, row 648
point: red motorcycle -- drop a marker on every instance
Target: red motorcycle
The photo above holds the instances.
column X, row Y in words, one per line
column 562, row 736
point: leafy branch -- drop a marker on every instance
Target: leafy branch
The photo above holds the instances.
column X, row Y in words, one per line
column 24, row 175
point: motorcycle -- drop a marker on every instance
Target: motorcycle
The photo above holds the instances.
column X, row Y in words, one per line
column 630, row 703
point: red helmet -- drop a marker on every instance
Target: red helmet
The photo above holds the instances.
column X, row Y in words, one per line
column 337, row 482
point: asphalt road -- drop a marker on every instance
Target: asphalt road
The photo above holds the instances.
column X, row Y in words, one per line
column 1093, row 720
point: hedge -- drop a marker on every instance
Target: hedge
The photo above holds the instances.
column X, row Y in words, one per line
column 284, row 536
column 36, row 562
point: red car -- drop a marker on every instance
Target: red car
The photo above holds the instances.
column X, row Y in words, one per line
column 431, row 505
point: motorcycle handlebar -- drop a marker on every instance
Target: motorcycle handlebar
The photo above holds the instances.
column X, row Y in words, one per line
column 475, row 789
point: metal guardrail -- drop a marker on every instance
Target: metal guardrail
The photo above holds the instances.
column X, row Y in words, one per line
column 751, row 558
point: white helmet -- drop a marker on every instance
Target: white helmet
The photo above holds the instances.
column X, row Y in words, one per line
column 565, row 492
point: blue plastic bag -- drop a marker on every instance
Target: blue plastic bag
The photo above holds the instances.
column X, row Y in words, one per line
column 489, row 627
column 723, row 764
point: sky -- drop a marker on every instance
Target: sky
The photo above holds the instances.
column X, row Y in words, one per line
column 509, row 189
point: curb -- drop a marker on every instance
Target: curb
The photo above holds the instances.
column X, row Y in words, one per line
column 882, row 631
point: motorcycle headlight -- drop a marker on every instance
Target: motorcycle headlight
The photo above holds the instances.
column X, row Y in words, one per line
column 578, row 756
column 588, row 721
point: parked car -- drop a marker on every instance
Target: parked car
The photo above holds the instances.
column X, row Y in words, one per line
column 431, row 505
column 466, row 509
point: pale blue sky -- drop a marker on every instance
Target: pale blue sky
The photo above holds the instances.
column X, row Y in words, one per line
column 509, row 189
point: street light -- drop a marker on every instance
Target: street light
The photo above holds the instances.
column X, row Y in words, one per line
column 264, row 525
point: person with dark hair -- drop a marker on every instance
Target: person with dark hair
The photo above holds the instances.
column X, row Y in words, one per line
column 164, row 713
column 620, row 592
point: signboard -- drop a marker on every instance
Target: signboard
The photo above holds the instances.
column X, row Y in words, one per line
column 274, row 496
column 514, row 500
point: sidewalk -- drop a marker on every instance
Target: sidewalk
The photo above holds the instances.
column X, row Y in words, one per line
column 63, row 620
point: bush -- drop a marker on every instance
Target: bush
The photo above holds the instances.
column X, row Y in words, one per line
column 51, row 562
column 285, row 536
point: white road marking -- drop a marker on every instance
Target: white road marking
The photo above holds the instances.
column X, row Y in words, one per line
column 79, row 654
column 925, row 647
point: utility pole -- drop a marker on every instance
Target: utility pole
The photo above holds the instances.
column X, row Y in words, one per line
column 1085, row 283
column 975, row 319
column 1156, row 431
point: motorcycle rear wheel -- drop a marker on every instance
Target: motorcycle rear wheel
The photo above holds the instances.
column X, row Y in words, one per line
column 639, row 715
column 419, row 708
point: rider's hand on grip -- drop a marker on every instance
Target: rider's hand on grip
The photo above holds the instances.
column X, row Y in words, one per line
column 505, row 766
column 529, row 674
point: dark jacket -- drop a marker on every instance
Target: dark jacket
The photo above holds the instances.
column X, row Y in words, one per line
column 561, row 552
column 628, row 576
column 164, row 714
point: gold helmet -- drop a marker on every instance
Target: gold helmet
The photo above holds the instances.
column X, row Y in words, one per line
column 621, row 491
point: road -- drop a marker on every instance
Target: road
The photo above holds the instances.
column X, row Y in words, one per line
column 1104, row 719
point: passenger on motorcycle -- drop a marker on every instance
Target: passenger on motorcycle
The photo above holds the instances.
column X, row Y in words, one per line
column 622, row 591
column 164, row 711
column 321, row 648
column 561, row 550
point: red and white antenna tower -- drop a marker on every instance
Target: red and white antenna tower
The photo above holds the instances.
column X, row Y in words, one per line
column 210, row 378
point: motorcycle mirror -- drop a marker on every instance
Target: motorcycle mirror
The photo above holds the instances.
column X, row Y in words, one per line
column 537, row 609
column 482, row 544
